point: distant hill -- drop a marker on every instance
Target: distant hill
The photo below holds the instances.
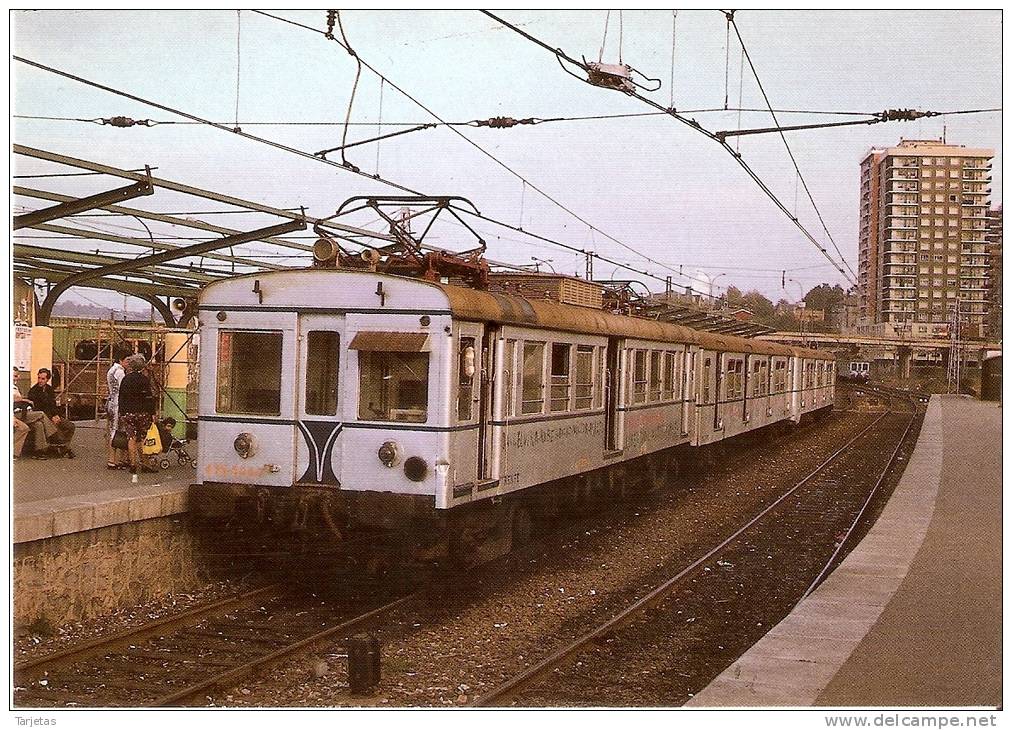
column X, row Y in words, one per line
column 90, row 311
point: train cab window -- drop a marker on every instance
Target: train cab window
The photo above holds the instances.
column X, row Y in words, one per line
column 639, row 376
column 532, row 394
column 467, row 365
column 654, row 385
column 584, row 377
column 668, row 377
column 249, row 372
column 323, row 353
column 560, row 376
column 393, row 386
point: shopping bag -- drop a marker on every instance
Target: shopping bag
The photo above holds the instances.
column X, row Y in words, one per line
column 152, row 442
column 120, row 439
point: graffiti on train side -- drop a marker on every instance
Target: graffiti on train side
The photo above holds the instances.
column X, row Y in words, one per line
column 649, row 427
column 522, row 439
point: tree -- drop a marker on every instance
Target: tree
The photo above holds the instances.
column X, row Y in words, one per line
column 759, row 305
column 824, row 297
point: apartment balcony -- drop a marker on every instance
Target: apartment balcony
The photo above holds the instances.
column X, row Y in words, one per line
column 977, row 167
column 976, row 177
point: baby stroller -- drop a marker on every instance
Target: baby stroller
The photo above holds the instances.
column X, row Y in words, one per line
column 171, row 445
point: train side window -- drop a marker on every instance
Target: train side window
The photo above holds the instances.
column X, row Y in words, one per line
column 323, row 356
column 758, row 378
column 707, row 365
column 602, row 377
column 560, row 367
column 466, row 369
column 533, row 388
column 639, row 376
column 584, row 379
column 654, row 385
column 734, row 383
column 509, row 377
column 668, row 392
column 393, row 386
column 779, row 376
column 249, row 372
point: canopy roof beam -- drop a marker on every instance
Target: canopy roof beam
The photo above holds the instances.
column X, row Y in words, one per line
column 79, row 205
column 122, row 267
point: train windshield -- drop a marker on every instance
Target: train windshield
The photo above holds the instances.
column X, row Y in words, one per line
column 393, row 386
column 249, row 372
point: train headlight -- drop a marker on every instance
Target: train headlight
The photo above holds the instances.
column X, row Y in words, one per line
column 244, row 445
column 389, row 454
column 416, row 469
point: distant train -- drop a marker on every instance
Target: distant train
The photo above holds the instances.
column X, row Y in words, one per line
column 335, row 401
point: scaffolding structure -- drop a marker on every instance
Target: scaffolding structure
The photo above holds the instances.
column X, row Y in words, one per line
column 83, row 354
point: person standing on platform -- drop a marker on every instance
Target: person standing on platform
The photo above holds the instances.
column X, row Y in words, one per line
column 136, row 409
column 117, row 458
column 59, row 430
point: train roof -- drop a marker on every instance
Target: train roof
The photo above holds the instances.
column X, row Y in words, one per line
column 484, row 306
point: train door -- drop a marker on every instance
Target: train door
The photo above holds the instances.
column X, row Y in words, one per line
column 612, row 386
column 716, row 377
column 469, row 450
column 745, row 383
column 491, row 355
column 318, row 401
column 688, row 388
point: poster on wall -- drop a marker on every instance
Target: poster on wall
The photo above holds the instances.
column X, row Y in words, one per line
column 22, row 346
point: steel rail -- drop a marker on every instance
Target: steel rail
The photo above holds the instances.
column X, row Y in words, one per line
column 864, row 507
column 106, row 644
column 530, row 675
column 231, row 676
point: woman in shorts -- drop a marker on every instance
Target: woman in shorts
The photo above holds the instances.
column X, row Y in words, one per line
column 136, row 409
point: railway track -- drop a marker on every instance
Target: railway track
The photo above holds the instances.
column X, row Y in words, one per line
column 829, row 493
column 179, row 659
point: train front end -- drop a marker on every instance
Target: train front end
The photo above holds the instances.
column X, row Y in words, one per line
column 323, row 402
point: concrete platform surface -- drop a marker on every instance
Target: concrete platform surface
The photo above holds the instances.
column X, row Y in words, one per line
column 912, row 617
column 59, row 496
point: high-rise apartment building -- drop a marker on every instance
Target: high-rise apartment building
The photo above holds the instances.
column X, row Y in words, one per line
column 923, row 254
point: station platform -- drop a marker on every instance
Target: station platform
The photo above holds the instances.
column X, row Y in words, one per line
column 913, row 615
column 56, row 497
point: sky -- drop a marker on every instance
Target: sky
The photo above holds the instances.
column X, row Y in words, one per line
column 657, row 186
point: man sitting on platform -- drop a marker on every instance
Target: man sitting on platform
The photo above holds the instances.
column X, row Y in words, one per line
column 28, row 422
column 43, row 398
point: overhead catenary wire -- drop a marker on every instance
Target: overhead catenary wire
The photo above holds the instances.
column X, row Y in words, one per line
column 200, row 120
column 238, row 61
column 474, row 123
column 354, row 87
column 790, row 152
column 674, row 28
column 560, row 55
column 482, row 150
